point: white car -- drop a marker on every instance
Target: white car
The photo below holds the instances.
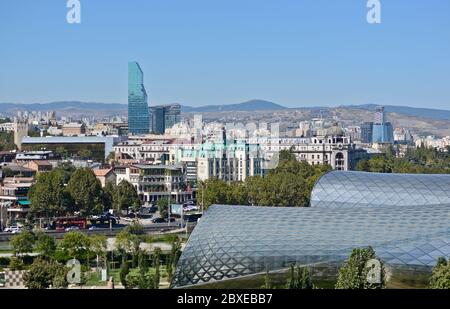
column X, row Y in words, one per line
column 13, row 229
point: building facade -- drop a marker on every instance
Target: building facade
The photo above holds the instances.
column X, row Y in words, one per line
column 156, row 182
column 228, row 160
column 73, row 129
column 138, row 115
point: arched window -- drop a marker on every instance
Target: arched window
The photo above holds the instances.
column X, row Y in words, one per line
column 340, row 161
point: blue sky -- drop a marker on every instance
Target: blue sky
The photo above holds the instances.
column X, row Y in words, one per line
column 198, row 52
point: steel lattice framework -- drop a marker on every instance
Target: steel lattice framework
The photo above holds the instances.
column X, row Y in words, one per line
column 235, row 241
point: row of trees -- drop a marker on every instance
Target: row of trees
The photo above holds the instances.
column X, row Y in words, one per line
column 421, row 160
column 66, row 190
column 49, row 270
column 290, row 184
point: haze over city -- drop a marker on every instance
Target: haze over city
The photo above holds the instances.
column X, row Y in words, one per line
column 294, row 53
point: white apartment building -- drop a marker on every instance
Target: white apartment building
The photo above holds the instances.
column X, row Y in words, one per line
column 151, row 151
column 332, row 147
column 155, row 182
column 228, row 160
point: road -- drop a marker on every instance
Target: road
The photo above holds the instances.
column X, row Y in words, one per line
column 149, row 229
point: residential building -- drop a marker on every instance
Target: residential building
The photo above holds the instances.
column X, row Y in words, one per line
column 367, row 132
column 232, row 160
column 14, row 196
column 332, row 147
column 105, row 175
column 73, row 129
column 155, row 182
column 39, row 166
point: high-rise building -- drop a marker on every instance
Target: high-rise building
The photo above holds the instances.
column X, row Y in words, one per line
column 367, row 132
column 172, row 115
column 164, row 117
column 383, row 131
column 380, row 115
column 138, row 115
column 158, row 119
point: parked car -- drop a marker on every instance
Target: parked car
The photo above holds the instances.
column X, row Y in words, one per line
column 94, row 228
column 158, row 220
column 171, row 220
column 190, row 208
column 14, row 229
column 72, row 228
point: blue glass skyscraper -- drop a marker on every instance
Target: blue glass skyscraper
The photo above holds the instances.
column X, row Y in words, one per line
column 382, row 131
column 138, row 113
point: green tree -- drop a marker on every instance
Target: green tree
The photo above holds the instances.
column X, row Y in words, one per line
column 213, row 191
column 86, row 192
column 108, row 195
column 440, row 278
column 156, row 265
column 85, row 154
column 163, row 207
column 45, row 245
column 61, row 151
column 290, row 184
column 76, row 244
column 355, row 273
column 48, row 195
column 268, row 285
column 123, row 244
column 111, row 157
column 7, row 141
column 23, row 243
column 125, row 196
column 142, row 262
column 16, row 264
column 135, row 228
column 124, row 271
column 45, row 273
column 98, row 245
column 173, row 258
column 299, row 279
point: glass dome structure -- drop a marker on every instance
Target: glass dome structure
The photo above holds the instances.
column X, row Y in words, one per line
column 234, row 241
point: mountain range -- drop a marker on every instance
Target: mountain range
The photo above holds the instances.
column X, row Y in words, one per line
column 88, row 108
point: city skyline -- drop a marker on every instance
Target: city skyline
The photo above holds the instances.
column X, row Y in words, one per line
column 303, row 53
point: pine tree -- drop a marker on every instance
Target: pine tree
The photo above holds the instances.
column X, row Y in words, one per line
column 355, row 274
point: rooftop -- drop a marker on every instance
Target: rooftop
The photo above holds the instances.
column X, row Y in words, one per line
column 64, row 140
column 102, row 172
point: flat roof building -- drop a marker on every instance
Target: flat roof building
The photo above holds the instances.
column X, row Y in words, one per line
column 99, row 146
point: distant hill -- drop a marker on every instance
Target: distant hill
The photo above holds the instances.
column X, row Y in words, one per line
column 253, row 105
column 437, row 114
column 77, row 108
column 58, row 106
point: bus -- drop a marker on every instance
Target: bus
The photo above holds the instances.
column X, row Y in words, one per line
column 61, row 224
